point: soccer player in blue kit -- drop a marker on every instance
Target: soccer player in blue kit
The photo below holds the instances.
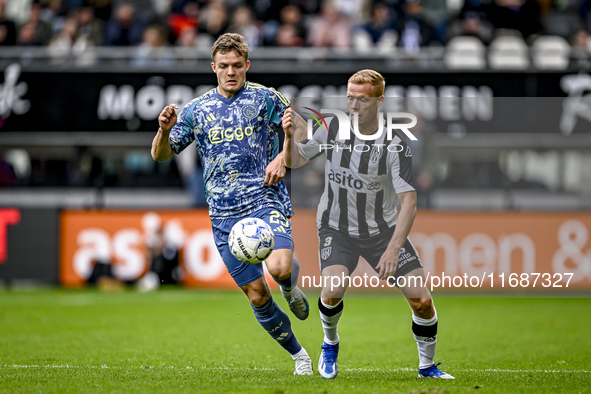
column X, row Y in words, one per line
column 235, row 128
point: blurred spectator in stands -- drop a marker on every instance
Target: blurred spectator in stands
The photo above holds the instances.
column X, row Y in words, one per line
column 519, row 15
column 437, row 14
column 123, row 29
column 191, row 38
column 308, row 7
column 7, row 27
column 35, row 31
column 268, row 10
column 215, row 20
column 185, row 18
column 470, row 24
column 89, row 27
column 26, row 35
column 163, row 8
column 356, row 11
column 330, row 29
column 47, row 9
column 102, row 9
column 414, row 29
column 243, row 23
column 289, row 31
column 18, row 11
column 288, row 36
column 580, row 55
column 144, row 10
column 563, row 18
column 378, row 31
column 154, row 50
column 66, row 42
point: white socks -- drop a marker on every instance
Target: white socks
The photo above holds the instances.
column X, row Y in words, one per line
column 330, row 315
column 425, row 333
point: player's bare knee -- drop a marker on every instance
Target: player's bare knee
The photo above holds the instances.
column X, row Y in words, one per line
column 257, row 295
column 333, row 296
column 332, row 301
column 423, row 307
column 280, row 267
column 258, row 298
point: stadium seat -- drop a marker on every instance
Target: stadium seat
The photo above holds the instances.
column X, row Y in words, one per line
column 465, row 52
column 551, row 53
column 362, row 42
column 454, row 6
column 508, row 52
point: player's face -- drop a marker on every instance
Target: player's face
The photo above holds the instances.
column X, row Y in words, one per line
column 230, row 68
column 363, row 100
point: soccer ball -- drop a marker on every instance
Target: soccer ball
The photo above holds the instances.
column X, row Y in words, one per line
column 251, row 240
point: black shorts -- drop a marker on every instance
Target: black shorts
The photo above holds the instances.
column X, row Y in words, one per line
column 338, row 248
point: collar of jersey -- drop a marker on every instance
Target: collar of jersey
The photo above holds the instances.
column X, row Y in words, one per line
column 231, row 99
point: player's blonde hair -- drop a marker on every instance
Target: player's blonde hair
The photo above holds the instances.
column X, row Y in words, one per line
column 372, row 77
column 230, row 42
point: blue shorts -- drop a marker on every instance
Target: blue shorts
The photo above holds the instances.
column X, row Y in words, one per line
column 243, row 273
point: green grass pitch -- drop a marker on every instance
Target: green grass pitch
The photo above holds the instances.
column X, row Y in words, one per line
column 179, row 340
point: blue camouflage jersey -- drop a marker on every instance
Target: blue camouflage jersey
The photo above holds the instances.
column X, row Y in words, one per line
column 236, row 138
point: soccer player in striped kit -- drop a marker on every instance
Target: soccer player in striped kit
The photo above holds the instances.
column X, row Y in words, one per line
column 365, row 182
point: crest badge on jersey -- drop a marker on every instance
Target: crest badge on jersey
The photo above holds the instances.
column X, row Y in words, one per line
column 325, row 252
column 376, row 154
column 249, row 111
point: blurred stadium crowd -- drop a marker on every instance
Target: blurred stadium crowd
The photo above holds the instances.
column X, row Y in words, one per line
column 465, row 34
column 340, row 24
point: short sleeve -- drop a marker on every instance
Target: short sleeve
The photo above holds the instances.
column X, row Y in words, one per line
column 276, row 105
column 403, row 176
column 182, row 133
column 310, row 148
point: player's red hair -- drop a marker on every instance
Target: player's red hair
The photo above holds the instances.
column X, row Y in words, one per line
column 372, row 77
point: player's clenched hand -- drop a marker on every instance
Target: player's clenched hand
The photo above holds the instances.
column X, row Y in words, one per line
column 167, row 118
column 287, row 121
column 388, row 264
column 275, row 171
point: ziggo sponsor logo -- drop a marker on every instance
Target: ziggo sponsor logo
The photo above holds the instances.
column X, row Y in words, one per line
column 219, row 134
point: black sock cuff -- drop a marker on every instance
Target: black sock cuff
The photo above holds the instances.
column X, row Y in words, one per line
column 424, row 331
column 330, row 312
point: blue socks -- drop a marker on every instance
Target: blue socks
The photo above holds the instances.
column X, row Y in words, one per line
column 277, row 324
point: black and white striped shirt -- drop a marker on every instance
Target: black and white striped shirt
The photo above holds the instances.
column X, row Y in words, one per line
column 362, row 179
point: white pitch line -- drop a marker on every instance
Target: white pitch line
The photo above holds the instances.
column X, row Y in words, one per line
column 402, row 369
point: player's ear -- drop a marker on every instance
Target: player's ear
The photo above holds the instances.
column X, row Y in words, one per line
column 380, row 101
column 213, row 66
column 247, row 65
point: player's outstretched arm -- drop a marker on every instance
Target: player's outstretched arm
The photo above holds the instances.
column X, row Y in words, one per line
column 406, row 216
column 161, row 149
column 295, row 131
